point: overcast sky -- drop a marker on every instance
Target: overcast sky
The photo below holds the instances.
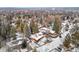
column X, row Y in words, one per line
column 39, row 3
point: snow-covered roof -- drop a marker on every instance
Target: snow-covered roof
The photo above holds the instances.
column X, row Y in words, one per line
column 44, row 29
column 63, row 23
column 42, row 41
column 54, row 44
column 51, row 31
column 19, row 38
column 37, row 36
column 13, row 43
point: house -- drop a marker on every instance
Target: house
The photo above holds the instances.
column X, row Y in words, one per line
column 48, row 32
column 36, row 37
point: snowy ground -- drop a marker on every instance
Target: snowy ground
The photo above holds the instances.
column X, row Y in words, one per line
column 49, row 47
column 56, row 42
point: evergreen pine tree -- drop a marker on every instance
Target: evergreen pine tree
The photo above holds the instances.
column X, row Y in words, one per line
column 57, row 25
column 34, row 27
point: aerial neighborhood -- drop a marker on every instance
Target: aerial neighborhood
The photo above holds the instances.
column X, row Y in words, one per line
column 39, row 29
